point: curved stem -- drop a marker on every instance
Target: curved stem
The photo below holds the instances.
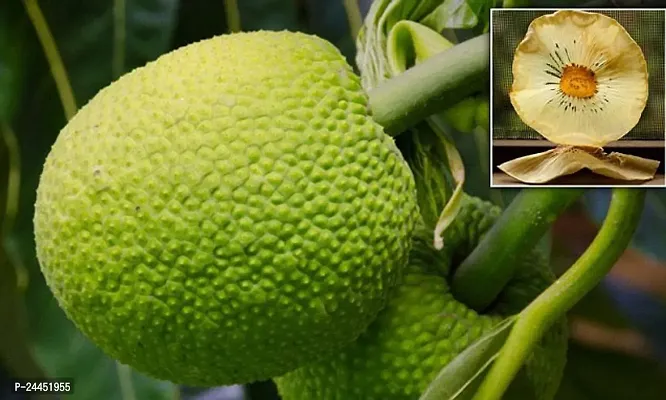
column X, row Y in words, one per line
column 13, row 180
column 433, row 85
column 354, row 16
column 490, row 266
column 52, row 56
column 233, row 15
column 614, row 236
column 15, row 353
column 125, row 380
column 12, row 202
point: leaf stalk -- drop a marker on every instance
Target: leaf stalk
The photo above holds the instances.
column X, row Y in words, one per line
column 431, row 86
column 612, row 239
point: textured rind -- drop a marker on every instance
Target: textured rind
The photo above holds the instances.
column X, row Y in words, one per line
column 423, row 327
column 226, row 213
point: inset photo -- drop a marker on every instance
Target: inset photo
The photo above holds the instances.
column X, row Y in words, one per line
column 577, row 97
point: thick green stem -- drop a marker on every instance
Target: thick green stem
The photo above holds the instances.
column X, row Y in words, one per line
column 490, row 266
column 609, row 244
column 432, row 85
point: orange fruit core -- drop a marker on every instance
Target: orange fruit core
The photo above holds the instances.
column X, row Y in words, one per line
column 578, row 81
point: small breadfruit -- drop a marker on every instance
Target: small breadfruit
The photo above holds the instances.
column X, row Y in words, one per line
column 424, row 327
column 226, row 213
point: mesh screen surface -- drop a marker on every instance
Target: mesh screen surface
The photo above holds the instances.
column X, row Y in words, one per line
column 646, row 27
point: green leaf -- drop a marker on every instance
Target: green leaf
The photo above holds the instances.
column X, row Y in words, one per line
column 595, row 374
column 455, row 14
column 371, row 56
column 410, row 43
column 459, row 379
column 407, row 10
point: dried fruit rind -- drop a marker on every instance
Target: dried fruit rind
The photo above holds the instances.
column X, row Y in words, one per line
column 565, row 160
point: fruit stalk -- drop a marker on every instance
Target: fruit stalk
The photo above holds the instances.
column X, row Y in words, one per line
column 614, row 236
column 490, row 266
column 433, row 85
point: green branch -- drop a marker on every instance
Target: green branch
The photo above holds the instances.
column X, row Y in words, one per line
column 15, row 353
column 431, row 86
column 52, row 56
column 490, row 266
column 613, row 238
column 119, row 34
column 354, row 16
column 233, row 15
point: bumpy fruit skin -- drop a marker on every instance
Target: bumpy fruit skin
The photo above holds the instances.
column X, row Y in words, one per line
column 226, row 213
column 423, row 327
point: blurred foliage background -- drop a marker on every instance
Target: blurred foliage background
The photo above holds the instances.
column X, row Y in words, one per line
column 618, row 343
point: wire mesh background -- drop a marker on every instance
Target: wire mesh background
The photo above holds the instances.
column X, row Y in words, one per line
column 646, row 27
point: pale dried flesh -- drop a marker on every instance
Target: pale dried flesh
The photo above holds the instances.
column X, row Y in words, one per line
column 566, row 160
column 581, row 82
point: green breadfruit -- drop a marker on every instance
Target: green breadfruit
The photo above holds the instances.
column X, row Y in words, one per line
column 226, row 213
column 423, row 327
